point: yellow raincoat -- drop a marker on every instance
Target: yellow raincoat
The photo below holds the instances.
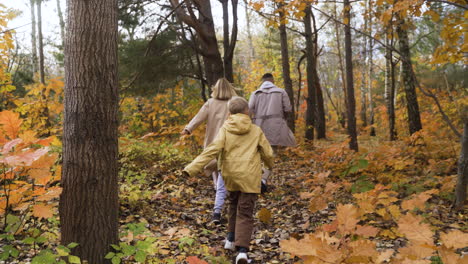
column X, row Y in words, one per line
column 240, row 147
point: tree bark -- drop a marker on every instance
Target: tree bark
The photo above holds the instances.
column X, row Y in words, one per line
column 351, row 102
column 249, row 31
column 41, row 41
column 229, row 42
column 315, row 96
column 390, row 91
column 89, row 202
column 61, row 23
column 286, row 68
column 371, row 73
column 414, row 119
column 33, row 38
column 462, row 180
column 342, row 71
column 363, row 112
column 320, row 113
column 206, row 41
column 311, row 94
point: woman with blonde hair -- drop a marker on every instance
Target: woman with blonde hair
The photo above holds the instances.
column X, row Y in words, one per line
column 214, row 112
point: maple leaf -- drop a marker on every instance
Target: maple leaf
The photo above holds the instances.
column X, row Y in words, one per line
column 41, row 176
column 195, row 260
column 11, row 123
column 364, row 250
column 418, row 201
column 347, row 218
column 411, row 226
column 449, row 256
column 25, row 158
column 53, row 192
column 42, row 210
column 264, row 215
column 384, row 256
column 304, row 247
column 366, row 231
column 317, row 203
column 454, row 239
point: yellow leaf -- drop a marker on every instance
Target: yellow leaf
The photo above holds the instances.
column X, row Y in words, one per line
column 264, row 215
column 347, row 217
column 11, row 123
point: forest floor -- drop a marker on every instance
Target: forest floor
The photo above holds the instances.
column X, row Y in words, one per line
column 178, row 212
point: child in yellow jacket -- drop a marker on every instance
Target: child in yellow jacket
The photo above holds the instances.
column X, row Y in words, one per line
column 240, row 147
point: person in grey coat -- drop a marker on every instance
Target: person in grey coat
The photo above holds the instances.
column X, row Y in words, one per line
column 269, row 106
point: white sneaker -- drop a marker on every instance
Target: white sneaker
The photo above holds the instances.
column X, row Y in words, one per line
column 242, row 258
column 229, row 245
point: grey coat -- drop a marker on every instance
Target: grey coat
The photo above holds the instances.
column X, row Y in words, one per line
column 268, row 105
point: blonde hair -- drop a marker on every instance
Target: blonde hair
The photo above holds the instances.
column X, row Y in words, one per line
column 223, row 90
column 237, row 105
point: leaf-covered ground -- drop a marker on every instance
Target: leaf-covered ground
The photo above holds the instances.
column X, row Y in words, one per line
column 304, row 198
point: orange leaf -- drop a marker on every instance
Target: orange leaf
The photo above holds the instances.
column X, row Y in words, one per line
column 195, row 260
column 51, row 193
column 42, row 211
column 42, row 176
column 28, row 136
column 11, row 123
column 10, row 145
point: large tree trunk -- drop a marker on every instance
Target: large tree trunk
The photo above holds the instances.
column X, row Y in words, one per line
column 33, row 38
column 61, row 23
column 371, row 73
column 414, row 119
column 462, row 181
column 390, row 90
column 351, row 102
column 89, row 203
column 286, row 68
column 341, row 116
column 41, row 41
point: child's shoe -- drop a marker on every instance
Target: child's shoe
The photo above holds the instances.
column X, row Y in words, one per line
column 216, row 218
column 264, row 187
column 242, row 258
column 229, row 245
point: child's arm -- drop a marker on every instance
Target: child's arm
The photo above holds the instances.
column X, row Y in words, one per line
column 199, row 118
column 210, row 153
column 266, row 152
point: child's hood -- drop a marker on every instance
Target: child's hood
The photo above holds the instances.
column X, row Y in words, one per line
column 238, row 124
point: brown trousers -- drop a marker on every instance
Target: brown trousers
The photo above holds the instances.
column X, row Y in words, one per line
column 241, row 219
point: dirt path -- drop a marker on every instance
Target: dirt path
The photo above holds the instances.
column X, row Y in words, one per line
column 180, row 210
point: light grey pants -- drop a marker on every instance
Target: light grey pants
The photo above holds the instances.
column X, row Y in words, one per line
column 220, row 194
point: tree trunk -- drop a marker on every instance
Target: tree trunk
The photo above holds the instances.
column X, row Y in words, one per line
column 364, row 80
column 315, row 96
column 33, row 38
column 41, row 42
column 371, row 73
column 342, row 71
column 351, row 102
column 311, row 94
column 89, row 203
column 249, row 31
column 390, row 90
column 414, row 119
column 229, row 42
column 462, row 180
column 61, row 23
column 206, row 42
column 286, row 68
